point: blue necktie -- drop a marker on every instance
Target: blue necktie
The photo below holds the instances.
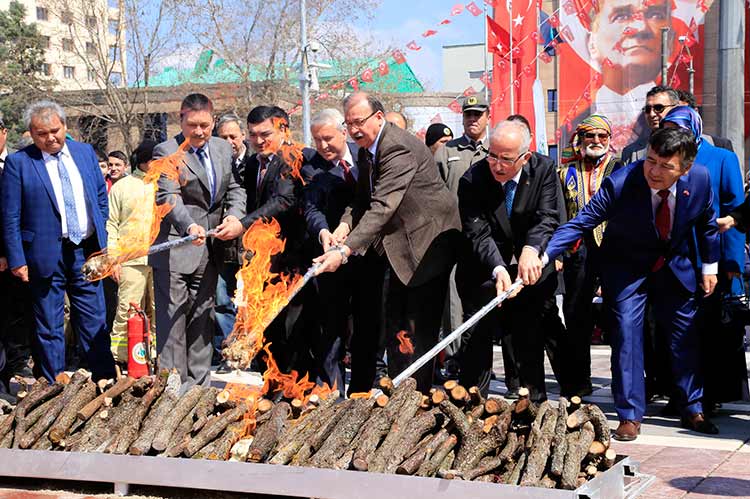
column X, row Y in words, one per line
column 71, row 214
column 510, row 193
column 201, row 153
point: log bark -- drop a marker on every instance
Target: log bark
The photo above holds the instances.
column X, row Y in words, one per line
column 122, row 385
column 100, row 439
column 173, row 418
column 181, row 436
column 223, row 444
column 41, row 391
column 240, row 449
column 509, row 449
column 608, row 460
column 457, row 416
column 536, row 425
column 67, row 416
column 495, row 406
column 578, row 447
column 132, row 426
column 267, row 436
column 213, row 428
column 151, row 425
column 339, row 440
column 204, row 408
column 46, row 420
column 423, row 453
column 591, row 412
column 515, row 475
column 424, row 423
column 440, row 458
column 30, row 419
column 536, row 462
column 485, row 466
column 560, row 441
column 318, row 438
column 477, row 444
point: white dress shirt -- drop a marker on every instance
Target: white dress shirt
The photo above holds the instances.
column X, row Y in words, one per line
column 339, row 171
column 84, row 220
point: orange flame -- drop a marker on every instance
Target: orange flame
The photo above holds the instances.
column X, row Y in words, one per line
column 139, row 231
column 404, row 343
column 290, row 151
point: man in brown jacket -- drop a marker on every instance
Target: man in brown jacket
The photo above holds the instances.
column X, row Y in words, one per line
column 404, row 220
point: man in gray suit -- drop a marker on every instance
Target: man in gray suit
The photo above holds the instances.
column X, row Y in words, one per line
column 185, row 277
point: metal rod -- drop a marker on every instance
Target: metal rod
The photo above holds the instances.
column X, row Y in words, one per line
column 664, row 55
column 509, row 6
column 460, row 330
column 305, row 77
column 158, row 248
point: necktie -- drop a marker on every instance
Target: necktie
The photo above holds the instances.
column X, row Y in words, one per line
column 201, row 153
column 348, row 176
column 71, row 214
column 510, row 193
column 663, row 224
column 262, row 167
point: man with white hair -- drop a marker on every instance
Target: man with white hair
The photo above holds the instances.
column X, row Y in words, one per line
column 509, row 209
column 54, row 207
column 334, row 174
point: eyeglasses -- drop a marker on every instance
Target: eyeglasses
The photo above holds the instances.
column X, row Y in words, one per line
column 657, row 108
column 360, row 122
column 592, row 135
column 494, row 158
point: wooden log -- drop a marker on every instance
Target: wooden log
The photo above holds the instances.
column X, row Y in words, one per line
column 46, row 420
column 450, row 385
column 424, row 423
column 173, row 418
column 316, row 440
column 59, row 430
column 122, row 385
column 381, row 400
column 214, row 427
column 267, row 436
column 345, row 461
column 591, row 412
column 509, row 449
column 30, row 419
column 385, row 384
column 240, row 449
column 264, row 406
column 116, row 417
column 425, row 403
column 437, row 396
column 40, row 392
column 223, row 445
column 7, row 440
column 574, row 404
column 438, row 459
column 536, row 425
column 536, row 462
column 205, row 451
column 495, row 406
column 547, row 482
column 515, row 475
column 457, row 416
column 447, row 462
column 205, row 407
column 597, row 450
column 610, row 455
column 485, row 466
column 153, row 422
column 132, row 426
column 459, row 395
column 578, row 447
column 339, row 440
column 560, row 441
column 296, row 406
column 424, row 452
column 477, row 444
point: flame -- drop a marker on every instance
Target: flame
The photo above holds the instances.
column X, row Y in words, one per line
column 404, row 343
column 289, row 150
column 142, row 226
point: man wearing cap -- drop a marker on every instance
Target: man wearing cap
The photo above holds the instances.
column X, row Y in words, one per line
column 585, row 163
column 134, row 278
column 437, row 135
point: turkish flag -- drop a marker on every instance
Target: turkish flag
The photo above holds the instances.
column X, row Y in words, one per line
column 469, row 91
column 474, row 9
column 367, row 75
column 498, row 38
column 444, row 22
column 436, row 119
column 485, row 79
column 383, row 68
column 457, row 9
column 398, row 56
column 455, row 106
column 354, row 82
column 412, row 45
column 429, row 32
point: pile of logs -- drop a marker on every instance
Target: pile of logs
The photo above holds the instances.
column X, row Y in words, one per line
column 453, row 433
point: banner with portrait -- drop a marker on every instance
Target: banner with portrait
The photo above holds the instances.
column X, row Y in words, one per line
column 610, row 56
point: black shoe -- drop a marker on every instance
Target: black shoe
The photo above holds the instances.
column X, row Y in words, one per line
column 670, row 410
column 698, row 422
column 223, row 368
column 511, row 393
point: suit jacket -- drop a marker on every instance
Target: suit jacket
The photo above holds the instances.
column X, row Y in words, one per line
column 634, row 151
column 495, row 238
column 408, row 207
column 327, row 194
column 231, row 251
column 721, row 142
column 631, row 244
column 191, row 202
column 31, row 222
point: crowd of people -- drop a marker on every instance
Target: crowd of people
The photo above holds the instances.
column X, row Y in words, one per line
column 411, row 237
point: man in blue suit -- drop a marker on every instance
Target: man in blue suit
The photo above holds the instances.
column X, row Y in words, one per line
column 660, row 215
column 54, row 207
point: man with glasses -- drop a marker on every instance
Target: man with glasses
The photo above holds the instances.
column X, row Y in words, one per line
column 509, row 209
column 403, row 220
column 585, row 164
column 659, row 100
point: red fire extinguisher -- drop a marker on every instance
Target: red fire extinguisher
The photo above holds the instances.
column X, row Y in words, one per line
column 139, row 343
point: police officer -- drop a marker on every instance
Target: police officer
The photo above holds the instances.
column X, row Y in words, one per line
column 459, row 154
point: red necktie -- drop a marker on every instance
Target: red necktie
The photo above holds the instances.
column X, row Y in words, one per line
column 348, row 176
column 663, row 224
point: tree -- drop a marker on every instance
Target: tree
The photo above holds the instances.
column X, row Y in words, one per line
column 21, row 59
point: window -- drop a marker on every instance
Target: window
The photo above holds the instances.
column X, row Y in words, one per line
column 69, row 72
column 46, row 42
column 46, row 69
column 66, row 17
column 113, row 53
column 91, row 75
column 115, row 78
column 67, row 45
column 90, row 48
column 113, row 4
column 41, row 14
column 114, row 26
column 552, row 100
column 91, row 21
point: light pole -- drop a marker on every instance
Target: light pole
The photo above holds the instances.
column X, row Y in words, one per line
column 304, row 77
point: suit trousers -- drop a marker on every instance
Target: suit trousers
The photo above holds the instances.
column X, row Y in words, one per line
column 87, row 315
column 184, row 328
column 16, row 320
column 674, row 311
column 136, row 286
column 523, row 319
column 225, row 310
column 452, row 317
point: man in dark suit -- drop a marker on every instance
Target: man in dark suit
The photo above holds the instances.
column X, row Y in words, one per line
column 659, row 100
column 54, row 207
column 334, row 173
column 509, row 209
column 404, row 216
column 659, row 216
column 274, row 192
column 185, row 277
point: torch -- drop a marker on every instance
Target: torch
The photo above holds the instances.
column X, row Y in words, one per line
column 100, row 266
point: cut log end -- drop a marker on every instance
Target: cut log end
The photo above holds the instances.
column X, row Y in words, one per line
column 381, row 400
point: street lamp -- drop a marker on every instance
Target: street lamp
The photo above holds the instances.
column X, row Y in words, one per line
column 308, row 76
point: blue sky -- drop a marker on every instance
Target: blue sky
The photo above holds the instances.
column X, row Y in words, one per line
column 399, row 21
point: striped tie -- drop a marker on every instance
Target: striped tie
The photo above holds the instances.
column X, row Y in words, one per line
column 71, row 214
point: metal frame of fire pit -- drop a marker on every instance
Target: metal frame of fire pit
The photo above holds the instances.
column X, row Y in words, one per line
column 622, row 481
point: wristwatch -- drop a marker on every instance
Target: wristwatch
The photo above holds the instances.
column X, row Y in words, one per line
column 341, row 251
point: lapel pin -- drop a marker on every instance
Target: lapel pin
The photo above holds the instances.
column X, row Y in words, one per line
column 686, row 192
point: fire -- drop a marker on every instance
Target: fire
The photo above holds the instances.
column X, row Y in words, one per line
column 404, row 343
column 290, row 151
column 142, row 227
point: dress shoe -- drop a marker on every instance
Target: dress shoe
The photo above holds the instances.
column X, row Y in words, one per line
column 698, row 422
column 671, row 409
column 627, row 431
column 223, row 368
column 511, row 394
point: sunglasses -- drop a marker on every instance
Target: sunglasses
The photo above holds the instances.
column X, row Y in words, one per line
column 657, row 108
column 592, row 135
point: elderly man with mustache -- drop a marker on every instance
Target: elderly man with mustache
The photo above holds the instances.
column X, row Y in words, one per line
column 585, row 163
